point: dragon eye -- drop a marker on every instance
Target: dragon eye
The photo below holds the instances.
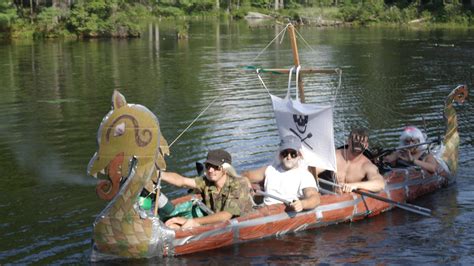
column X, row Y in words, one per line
column 119, row 130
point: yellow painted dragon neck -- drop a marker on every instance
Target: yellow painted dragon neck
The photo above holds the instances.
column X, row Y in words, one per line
column 131, row 149
column 451, row 139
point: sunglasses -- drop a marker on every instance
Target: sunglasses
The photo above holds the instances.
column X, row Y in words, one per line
column 410, row 140
column 215, row 167
column 292, row 153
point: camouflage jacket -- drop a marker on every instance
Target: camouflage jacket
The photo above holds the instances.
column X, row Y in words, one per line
column 234, row 197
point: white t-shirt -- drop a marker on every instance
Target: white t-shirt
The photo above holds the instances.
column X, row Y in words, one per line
column 287, row 185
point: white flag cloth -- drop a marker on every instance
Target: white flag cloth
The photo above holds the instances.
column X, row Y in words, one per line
column 312, row 124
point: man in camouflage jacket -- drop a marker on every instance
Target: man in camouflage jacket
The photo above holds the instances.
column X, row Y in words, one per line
column 225, row 194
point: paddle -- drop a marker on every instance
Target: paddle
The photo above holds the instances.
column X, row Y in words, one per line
column 405, row 206
column 265, row 194
column 387, row 151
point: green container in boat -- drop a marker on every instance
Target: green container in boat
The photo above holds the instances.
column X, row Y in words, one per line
column 165, row 206
column 145, row 203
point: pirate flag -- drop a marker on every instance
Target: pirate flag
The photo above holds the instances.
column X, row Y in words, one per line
column 312, row 124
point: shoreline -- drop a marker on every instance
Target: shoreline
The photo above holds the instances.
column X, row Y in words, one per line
column 129, row 26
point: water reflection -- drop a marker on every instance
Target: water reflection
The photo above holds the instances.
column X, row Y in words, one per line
column 55, row 93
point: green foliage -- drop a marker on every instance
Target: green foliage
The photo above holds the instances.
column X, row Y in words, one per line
column 120, row 18
column 453, row 13
column 7, row 16
column 239, row 13
column 404, row 11
column 168, row 11
column 125, row 23
column 426, row 15
column 394, row 14
column 294, row 15
column 85, row 23
column 50, row 22
column 180, row 8
column 22, row 29
column 182, row 29
column 377, row 11
column 98, row 18
column 322, row 3
column 363, row 12
column 410, row 13
column 193, row 6
column 292, row 4
column 328, row 13
column 262, row 3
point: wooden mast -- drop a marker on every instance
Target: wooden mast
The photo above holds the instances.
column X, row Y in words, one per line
column 296, row 62
column 296, row 59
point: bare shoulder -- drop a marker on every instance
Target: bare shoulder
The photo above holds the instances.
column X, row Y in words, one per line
column 255, row 175
column 369, row 165
column 430, row 158
column 371, row 170
column 367, row 162
column 339, row 154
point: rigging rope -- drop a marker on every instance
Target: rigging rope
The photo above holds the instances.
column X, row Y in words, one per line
column 261, row 80
column 195, row 119
column 338, row 70
column 282, row 33
column 268, row 45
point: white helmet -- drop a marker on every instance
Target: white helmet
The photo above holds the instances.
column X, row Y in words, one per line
column 414, row 133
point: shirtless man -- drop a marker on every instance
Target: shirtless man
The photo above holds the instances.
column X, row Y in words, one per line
column 353, row 167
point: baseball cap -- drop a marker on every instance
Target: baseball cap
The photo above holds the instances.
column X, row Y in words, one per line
column 218, row 157
column 290, row 142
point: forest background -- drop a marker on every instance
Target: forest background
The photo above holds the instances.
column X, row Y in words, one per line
column 122, row 18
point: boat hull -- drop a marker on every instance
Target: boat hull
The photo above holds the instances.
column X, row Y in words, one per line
column 401, row 185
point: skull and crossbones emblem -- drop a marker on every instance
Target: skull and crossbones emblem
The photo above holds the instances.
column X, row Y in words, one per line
column 301, row 122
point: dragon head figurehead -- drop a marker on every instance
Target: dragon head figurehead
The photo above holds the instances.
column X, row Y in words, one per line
column 451, row 142
column 129, row 132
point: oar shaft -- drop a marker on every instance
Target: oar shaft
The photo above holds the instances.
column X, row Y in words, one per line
column 405, row 206
column 261, row 193
column 396, row 203
column 415, row 145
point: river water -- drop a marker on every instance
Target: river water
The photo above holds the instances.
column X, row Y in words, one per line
column 54, row 94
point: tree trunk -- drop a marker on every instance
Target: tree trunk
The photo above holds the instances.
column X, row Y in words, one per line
column 31, row 11
column 218, row 5
column 282, row 4
column 276, row 4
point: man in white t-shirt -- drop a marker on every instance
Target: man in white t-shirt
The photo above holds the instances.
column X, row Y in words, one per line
column 289, row 178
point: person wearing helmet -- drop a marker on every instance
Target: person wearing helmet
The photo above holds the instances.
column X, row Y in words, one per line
column 416, row 155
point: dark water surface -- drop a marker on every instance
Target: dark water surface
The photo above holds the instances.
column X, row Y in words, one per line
column 54, row 94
